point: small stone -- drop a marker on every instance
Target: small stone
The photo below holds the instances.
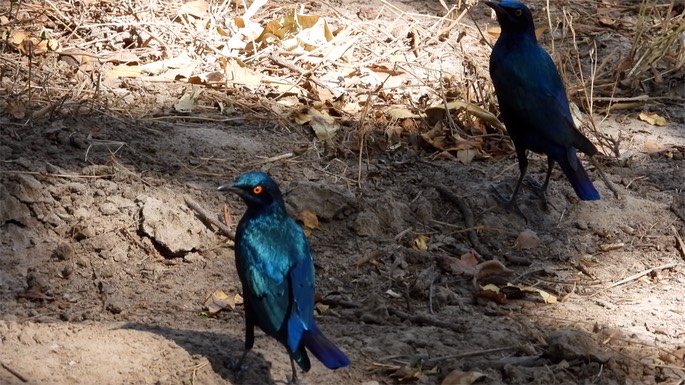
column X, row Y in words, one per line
column 11, row 209
column 114, row 307
column 327, row 202
column 392, row 213
column 109, row 208
column 192, row 258
column 174, row 227
column 29, row 189
column 63, row 252
column 581, row 225
column 53, row 219
column 105, row 288
column 77, row 188
column 366, row 224
column 81, row 232
column 103, row 242
column 67, row 271
column 129, row 193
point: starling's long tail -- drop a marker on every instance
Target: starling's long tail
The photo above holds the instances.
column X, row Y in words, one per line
column 324, row 349
column 576, row 174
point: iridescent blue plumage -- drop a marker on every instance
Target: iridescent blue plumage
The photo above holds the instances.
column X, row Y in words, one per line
column 532, row 100
column 277, row 274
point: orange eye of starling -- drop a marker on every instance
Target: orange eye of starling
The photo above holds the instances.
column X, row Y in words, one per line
column 518, row 12
column 257, row 190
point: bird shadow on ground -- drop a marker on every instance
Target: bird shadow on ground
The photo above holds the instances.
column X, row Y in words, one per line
column 221, row 351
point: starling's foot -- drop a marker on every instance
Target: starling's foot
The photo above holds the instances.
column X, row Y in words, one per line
column 533, row 183
column 508, row 203
column 294, row 380
column 239, row 368
column 538, row 188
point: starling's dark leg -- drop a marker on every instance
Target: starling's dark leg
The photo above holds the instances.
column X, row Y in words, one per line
column 550, row 166
column 249, row 337
column 511, row 202
column 293, row 379
column 541, row 189
column 523, row 168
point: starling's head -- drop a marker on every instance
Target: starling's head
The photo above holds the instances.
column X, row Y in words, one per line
column 513, row 17
column 257, row 189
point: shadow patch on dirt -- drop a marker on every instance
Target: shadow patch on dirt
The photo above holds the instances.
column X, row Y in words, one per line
column 221, row 351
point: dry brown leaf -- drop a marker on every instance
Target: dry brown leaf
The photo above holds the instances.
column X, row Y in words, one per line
column 437, row 112
column 457, row 377
column 467, row 155
column 320, row 308
column 16, row 108
column 469, row 259
column 17, row 37
column 454, row 266
column 219, row 300
column 492, row 295
column 28, row 43
column 385, row 69
column 124, row 71
column 407, row 374
column 241, row 75
column 197, row 8
column 420, row 243
column 652, row 147
column 158, row 67
column 315, row 32
column 123, row 57
column 653, row 118
column 186, row 103
column 489, row 268
column 401, row 113
column 446, row 155
column 207, row 78
column 294, row 31
column 527, row 239
column 323, row 124
column 547, row 297
column 342, row 51
column 308, row 219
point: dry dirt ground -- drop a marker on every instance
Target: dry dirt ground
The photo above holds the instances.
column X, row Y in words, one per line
column 104, row 268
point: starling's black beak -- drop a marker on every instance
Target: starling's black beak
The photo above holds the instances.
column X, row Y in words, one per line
column 229, row 187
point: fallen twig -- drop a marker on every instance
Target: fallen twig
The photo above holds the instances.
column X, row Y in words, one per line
column 209, row 218
column 15, row 373
column 368, row 257
column 609, row 185
column 40, row 173
column 679, row 242
column 641, row 274
column 424, row 319
column 474, row 353
column 468, row 219
column 275, row 158
column 415, row 318
column 308, row 74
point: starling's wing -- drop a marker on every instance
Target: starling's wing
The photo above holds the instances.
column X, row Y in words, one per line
column 265, row 261
column 302, row 282
column 533, row 97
